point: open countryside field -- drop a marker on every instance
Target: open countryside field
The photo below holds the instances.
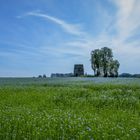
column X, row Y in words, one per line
column 70, row 108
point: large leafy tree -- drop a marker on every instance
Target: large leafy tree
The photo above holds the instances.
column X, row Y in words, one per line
column 106, row 57
column 96, row 61
column 103, row 64
column 116, row 67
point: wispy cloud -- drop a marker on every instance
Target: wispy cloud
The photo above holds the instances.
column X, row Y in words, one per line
column 127, row 18
column 126, row 23
column 74, row 29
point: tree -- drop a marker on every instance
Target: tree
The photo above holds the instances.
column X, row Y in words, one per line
column 107, row 57
column 39, row 76
column 96, row 61
column 103, row 64
column 116, row 67
column 44, row 76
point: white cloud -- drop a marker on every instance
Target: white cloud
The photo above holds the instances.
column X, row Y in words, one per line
column 128, row 17
column 127, row 26
column 74, row 29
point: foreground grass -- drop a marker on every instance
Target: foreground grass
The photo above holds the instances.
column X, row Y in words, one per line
column 70, row 111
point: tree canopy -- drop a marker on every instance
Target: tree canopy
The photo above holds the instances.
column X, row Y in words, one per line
column 103, row 64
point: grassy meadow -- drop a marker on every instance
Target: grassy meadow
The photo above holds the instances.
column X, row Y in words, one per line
column 69, row 109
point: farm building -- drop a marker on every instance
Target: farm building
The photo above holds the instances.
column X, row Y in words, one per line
column 78, row 70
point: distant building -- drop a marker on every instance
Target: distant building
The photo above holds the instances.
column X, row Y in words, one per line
column 78, row 70
column 53, row 75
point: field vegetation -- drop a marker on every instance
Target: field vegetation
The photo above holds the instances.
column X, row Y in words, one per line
column 69, row 109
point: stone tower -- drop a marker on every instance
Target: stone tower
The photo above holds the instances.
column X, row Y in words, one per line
column 78, row 70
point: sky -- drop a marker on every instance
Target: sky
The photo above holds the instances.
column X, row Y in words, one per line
column 50, row 36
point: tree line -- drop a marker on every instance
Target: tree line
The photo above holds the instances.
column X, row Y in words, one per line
column 103, row 64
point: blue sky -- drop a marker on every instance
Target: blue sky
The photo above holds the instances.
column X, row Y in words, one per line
column 50, row 36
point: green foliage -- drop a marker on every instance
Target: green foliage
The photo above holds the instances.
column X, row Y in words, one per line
column 103, row 64
column 96, row 61
column 69, row 108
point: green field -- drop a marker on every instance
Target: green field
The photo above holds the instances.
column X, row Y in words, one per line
column 69, row 109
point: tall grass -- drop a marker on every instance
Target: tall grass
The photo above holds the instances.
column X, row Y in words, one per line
column 69, row 110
